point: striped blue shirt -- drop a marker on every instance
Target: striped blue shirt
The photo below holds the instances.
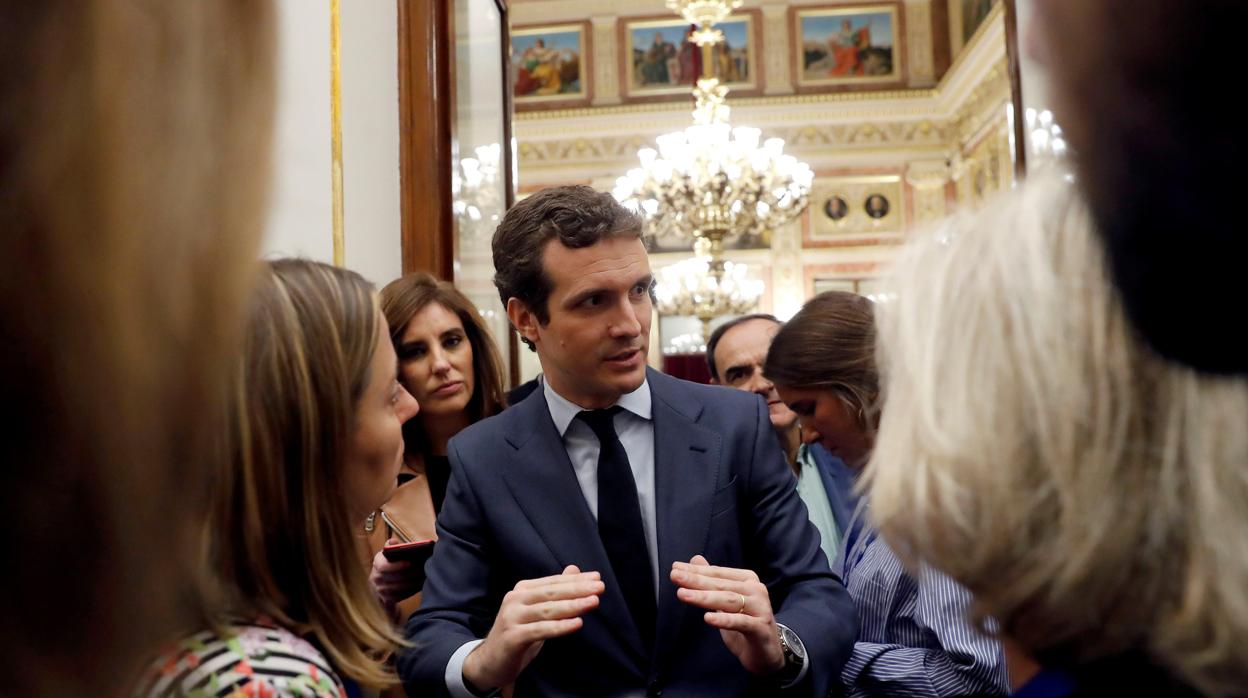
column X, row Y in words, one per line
column 913, row 637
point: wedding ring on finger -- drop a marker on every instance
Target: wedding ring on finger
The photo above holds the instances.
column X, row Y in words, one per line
column 742, row 609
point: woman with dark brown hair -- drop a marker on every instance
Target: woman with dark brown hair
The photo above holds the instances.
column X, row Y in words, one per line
column 449, row 363
column 913, row 634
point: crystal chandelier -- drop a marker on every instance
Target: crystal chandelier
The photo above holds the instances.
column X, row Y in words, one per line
column 475, row 190
column 712, row 181
column 706, row 288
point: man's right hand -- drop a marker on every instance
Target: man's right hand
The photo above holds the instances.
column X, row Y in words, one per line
column 535, row 611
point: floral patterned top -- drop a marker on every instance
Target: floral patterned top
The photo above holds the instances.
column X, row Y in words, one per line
column 253, row 661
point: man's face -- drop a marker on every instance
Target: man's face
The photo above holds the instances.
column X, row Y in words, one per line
column 593, row 348
column 739, row 358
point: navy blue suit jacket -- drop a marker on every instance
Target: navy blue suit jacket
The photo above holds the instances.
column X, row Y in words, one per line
column 514, row 510
column 838, row 482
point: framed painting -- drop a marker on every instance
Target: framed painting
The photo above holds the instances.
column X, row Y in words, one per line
column 847, row 45
column 551, row 65
column 659, row 59
column 855, row 210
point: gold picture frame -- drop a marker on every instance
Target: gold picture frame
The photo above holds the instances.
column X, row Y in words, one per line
column 658, row 60
column 551, row 66
column 848, row 45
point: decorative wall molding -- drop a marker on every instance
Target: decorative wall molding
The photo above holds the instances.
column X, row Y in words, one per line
column 606, row 77
column 986, row 103
column 917, row 100
column 776, row 54
column 786, row 279
column 928, row 180
column 919, row 42
column 610, row 150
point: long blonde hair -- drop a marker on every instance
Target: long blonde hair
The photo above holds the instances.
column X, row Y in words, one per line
column 1092, row 495
column 280, row 536
column 134, row 143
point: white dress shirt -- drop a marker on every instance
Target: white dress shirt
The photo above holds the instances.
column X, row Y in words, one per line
column 635, row 428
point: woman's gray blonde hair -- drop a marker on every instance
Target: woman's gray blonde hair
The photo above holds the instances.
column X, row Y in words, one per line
column 1093, row 496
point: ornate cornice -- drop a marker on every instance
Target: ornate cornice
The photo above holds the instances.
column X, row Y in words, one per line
column 860, row 136
column 684, row 107
column 935, row 121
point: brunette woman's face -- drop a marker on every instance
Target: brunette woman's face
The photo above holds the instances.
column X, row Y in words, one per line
column 376, row 452
column 435, row 361
column 828, row 421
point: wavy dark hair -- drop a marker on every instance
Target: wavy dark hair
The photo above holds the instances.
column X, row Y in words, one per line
column 402, row 299
column 578, row 216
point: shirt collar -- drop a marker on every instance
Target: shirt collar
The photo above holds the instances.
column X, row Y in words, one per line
column 804, row 457
column 563, row 410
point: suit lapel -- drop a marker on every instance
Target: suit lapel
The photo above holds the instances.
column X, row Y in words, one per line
column 544, row 484
column 686, row 459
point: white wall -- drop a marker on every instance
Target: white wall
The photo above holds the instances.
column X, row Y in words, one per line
column 370, row 138
column 301, row 219
column 301, row 215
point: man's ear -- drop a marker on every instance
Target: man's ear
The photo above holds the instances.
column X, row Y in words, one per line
column 522, row 319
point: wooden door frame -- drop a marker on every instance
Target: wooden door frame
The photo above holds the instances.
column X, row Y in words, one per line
column 427, row 139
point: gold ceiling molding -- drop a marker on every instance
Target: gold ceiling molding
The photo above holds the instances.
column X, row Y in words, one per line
column 935, row 122
column 777, row 101
column 985, row 104
column 872, row 136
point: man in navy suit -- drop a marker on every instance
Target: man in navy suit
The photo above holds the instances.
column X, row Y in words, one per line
column 618, row 532
column 735, row 354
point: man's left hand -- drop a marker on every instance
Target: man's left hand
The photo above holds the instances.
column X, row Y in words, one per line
column 736, row 603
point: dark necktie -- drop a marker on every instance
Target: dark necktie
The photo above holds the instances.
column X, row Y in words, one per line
column 619, row 521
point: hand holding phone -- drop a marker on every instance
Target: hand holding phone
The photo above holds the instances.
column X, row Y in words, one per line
column 399, row 571
column 417, row 552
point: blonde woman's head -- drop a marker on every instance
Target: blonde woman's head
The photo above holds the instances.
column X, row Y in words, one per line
column 1092, row 496
column 315, row 444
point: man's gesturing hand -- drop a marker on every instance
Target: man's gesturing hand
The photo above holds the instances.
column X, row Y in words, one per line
column 739, row 605
column 533, row 612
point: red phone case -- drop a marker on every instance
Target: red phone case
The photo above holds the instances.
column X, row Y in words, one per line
column 418, row 550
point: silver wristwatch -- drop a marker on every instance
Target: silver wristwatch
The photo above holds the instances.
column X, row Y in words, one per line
column 794, row 655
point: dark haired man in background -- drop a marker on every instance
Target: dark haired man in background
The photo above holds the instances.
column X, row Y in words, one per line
column 735, row 354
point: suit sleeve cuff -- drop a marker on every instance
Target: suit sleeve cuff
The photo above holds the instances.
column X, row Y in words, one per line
column 801, row 674
column 454, row 676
